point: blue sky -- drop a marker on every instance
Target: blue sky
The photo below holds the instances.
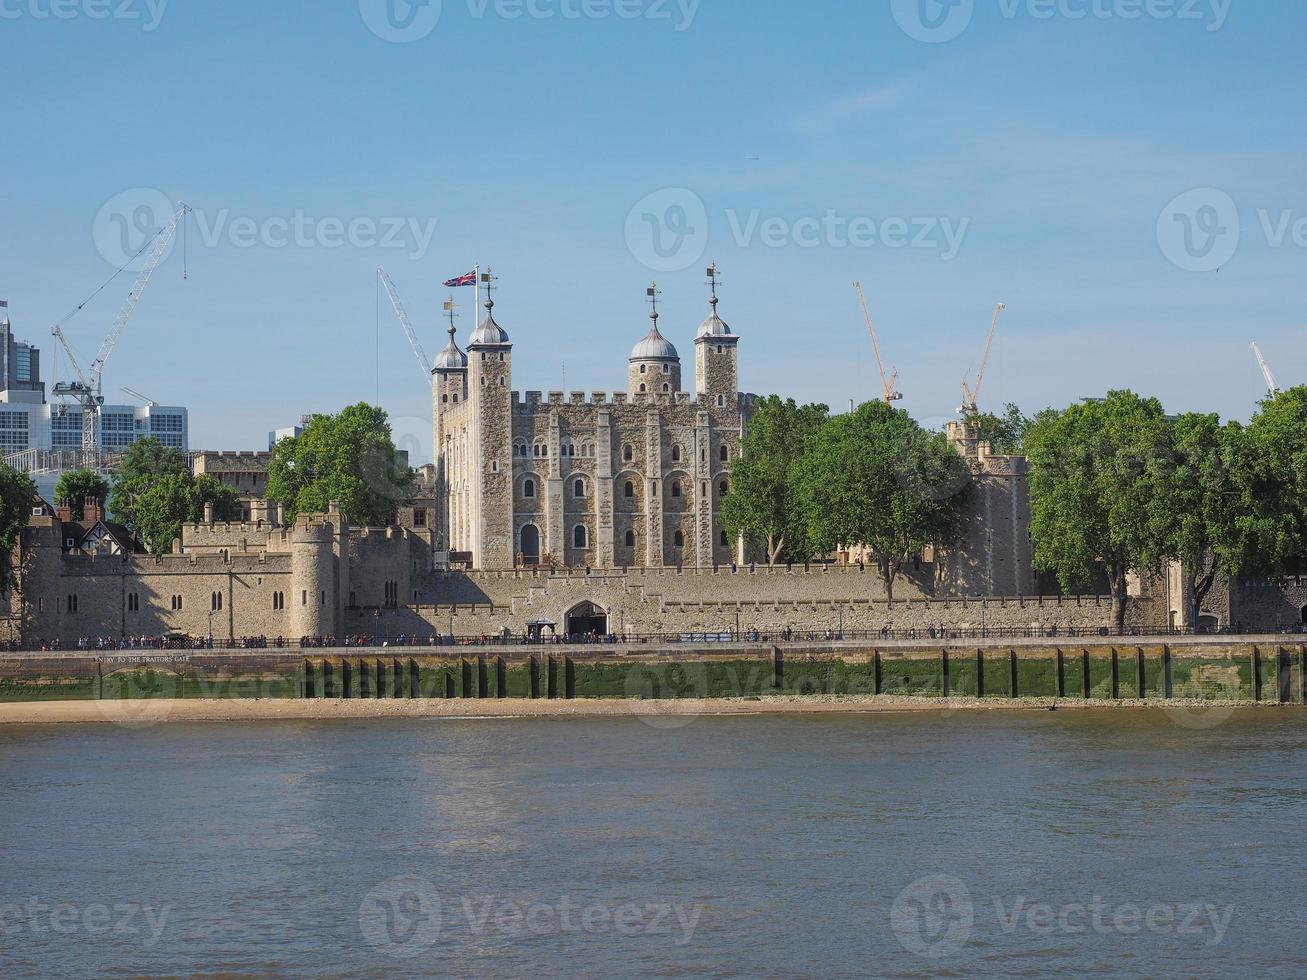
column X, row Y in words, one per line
column 1092, row 163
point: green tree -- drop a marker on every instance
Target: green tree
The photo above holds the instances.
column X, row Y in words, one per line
column 763, row 504
column 1094, row 484
column 1006, row 433
column 154, row 494
column 77, row 486
column 876, row 478
column 349, row 458
column 1271, row 476
column 1203, row 501
column 17, row 497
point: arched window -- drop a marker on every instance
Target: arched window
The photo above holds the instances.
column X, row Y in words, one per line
column 723, row 489
column 642, row 369
column 725, row 454
column 578, row 489
column 535, row 451
column 676, row 488
column 628, row 453
column 726, row 541
column 667, row 369
column 580, row 537
column 676, row 454
column 678, row 541
column 529, row 488
column 642, row 388
column 629, row 489
column 666, row 388
column 721, row 401
column 630, row 539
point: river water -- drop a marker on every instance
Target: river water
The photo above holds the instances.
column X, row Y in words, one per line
column 1013, row 844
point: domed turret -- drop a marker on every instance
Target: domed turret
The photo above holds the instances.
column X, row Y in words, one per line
column 489, row 333
column 654, row 367
column 451, row 358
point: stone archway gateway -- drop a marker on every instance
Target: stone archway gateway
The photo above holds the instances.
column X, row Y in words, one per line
column 587, row 618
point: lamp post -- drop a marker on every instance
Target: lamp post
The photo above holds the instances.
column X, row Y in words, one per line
column 376, row 633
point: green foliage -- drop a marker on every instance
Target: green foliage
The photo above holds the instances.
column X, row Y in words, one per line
column 763, row 504
column 77, row 486
column 1006, row 433
column 155, row 493
column 348, row 458
column 1097, row 470
column 1271, row 461
column 1203, row 500
column 876, row 478
column 17, row 497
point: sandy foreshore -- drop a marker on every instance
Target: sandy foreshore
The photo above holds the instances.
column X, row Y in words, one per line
column 143, row 713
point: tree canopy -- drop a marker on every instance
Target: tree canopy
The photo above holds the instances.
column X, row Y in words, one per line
column 875, row 477
column 349, row 458
column 17, row 496
column 75, row 487
column 154, row 494
column 1095, row 473
column 764, row 505
column 1005, row 433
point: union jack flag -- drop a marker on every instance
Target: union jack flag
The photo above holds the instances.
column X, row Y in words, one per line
column 468, row 280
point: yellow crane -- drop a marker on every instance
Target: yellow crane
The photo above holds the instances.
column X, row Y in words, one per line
column 969, row 396
column 890, row 393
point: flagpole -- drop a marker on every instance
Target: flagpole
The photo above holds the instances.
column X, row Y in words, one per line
column 476, row 313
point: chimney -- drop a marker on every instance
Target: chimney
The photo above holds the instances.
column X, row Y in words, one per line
column 64, row 512
column 208, row 513
column 92, row 510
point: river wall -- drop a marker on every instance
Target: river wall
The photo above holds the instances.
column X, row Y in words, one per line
column 1251, row 669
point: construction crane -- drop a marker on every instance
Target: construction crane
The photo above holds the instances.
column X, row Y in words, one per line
column 87, row 390
column 150, row 402
column 890, row 394
column 423, row 361
column 1271, row 386
column 969, row 396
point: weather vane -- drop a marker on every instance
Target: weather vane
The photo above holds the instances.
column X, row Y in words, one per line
column 652, row 292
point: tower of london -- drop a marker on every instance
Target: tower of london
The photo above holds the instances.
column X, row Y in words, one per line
column 628, row 479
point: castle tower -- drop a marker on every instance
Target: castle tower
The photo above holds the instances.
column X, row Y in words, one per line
column 654, row 367
column 448, row 392
column 490, row 461
column 313, row 597
column 715, row 364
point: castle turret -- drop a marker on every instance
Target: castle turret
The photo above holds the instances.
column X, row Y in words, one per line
column 654, row 367
column 313, row 597
column 490, row 381
column 448, row 392
column 716, row 368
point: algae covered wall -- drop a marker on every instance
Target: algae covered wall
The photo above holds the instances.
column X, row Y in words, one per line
column 1192, row 670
